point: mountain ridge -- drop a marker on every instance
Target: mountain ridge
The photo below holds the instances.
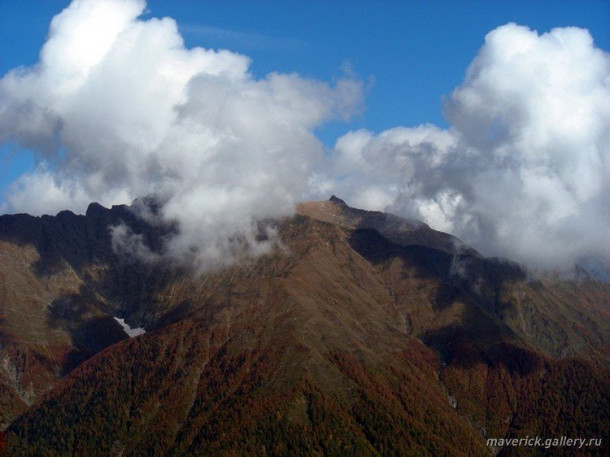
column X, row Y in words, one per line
column 339, row 334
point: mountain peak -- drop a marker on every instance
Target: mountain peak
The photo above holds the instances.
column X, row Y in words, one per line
column 336, row 199
column 398, row 229
column 95, row 209
column 339, row 341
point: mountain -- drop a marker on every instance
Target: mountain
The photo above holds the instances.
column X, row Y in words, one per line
column 363, row 334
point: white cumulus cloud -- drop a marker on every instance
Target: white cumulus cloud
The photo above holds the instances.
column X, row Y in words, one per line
column 524, row 169
column 118, row 108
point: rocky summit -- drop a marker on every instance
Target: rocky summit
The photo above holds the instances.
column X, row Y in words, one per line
column 361, row 333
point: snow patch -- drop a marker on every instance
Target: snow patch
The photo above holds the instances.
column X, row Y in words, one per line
column 130, row 331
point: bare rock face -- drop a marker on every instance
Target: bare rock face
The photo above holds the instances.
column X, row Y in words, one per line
column 347, row 340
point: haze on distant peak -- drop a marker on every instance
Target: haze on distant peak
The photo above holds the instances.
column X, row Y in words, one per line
column 118, row 108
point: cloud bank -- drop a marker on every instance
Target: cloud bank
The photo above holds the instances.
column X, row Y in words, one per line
column 523, row 171
column 117, row 108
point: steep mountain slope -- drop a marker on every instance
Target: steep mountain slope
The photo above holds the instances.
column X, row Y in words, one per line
column 364, row 335
column 49, row 325
column 51, row 318
column 558, row 317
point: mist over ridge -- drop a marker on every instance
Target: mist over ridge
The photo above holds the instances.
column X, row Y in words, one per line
column 524, row 169
column 124, row 110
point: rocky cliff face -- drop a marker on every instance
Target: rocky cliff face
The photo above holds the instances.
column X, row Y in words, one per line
column 366, row 334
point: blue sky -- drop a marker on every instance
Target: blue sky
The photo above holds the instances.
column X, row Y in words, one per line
column 513, row 157
column 410, row 54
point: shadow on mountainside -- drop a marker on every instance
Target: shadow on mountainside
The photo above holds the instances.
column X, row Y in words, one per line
column 91, row 330
column 81, row 242
column 482, row 278
column 481, row 335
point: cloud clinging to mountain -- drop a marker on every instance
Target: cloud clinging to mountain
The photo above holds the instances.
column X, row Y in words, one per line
column 523, row 171
column 119, row 109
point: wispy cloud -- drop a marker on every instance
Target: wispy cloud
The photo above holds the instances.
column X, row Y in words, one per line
column 248, row 41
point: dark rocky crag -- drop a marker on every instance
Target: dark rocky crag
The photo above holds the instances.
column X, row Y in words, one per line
column 367, row 335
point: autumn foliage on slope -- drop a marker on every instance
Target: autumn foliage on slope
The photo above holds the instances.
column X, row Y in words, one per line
column 359, row 337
